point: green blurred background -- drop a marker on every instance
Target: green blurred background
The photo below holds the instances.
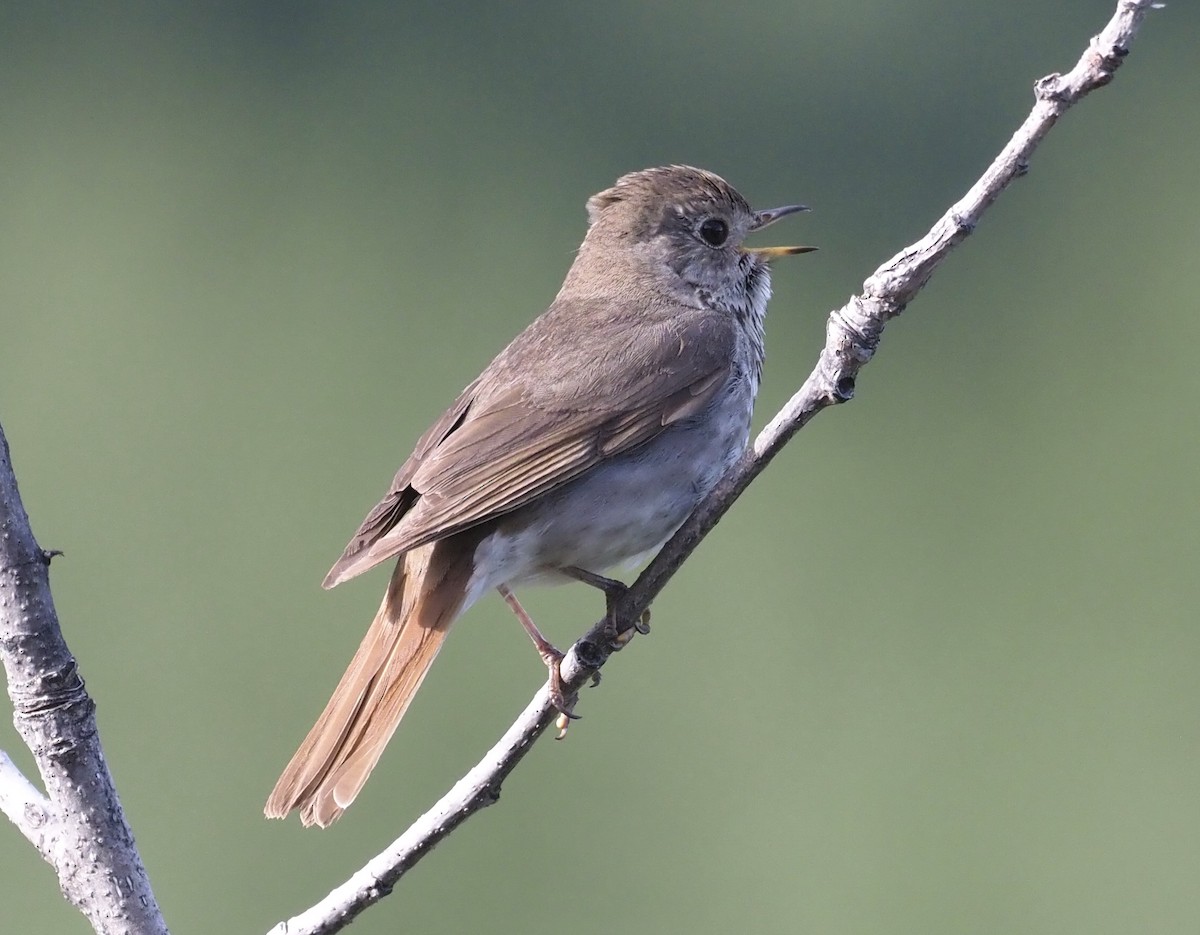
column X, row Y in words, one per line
column 936, row 672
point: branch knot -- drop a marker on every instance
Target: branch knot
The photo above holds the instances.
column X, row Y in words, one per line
column 56, row 690
column 1050, row 89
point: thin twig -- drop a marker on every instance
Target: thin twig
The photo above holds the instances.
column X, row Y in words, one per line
column 852, row 335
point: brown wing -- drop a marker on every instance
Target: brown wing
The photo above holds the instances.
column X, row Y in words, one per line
column 400, row 496
column 494, row 451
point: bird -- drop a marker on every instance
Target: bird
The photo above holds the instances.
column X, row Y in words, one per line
column 580, row 448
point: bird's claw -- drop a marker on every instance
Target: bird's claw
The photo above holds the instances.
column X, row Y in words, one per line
column 563, row 704
column 643, row 623
column 618, row 641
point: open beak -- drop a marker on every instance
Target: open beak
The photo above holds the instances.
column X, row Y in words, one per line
column 768, row 217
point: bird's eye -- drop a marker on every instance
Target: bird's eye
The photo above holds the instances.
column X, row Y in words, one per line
column 714, row 232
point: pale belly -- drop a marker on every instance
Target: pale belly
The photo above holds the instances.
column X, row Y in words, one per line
column 619, row 513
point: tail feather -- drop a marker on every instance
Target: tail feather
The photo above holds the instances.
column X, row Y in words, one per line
column 425, row 595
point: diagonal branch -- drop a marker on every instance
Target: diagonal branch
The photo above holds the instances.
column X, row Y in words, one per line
column 852, row 335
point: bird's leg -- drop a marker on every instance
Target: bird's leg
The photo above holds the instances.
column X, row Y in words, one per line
column 550, row 654
column 613, row 590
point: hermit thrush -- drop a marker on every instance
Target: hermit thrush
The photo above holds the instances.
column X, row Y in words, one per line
column 581, row 447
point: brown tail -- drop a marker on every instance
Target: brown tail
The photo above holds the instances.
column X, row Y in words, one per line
column 424, row 597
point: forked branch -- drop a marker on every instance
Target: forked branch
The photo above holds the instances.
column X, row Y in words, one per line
column 78, row 826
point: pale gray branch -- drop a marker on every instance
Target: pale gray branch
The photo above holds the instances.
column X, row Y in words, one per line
column 852, row 335
column 78, row 826
column 478, row 788
column 23, row 804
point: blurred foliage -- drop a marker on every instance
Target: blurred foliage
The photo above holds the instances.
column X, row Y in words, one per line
column 935, row 673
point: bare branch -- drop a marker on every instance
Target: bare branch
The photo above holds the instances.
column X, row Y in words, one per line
column 79, row 826
column 24, row 805
column 477, row 789
column 852, row 335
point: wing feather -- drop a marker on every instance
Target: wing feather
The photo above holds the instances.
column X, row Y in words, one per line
column 510, row 437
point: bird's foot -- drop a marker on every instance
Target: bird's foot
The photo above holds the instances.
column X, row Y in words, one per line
column 619, row 641
column 563, row 703
column 551, row 656
column 614, row 592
